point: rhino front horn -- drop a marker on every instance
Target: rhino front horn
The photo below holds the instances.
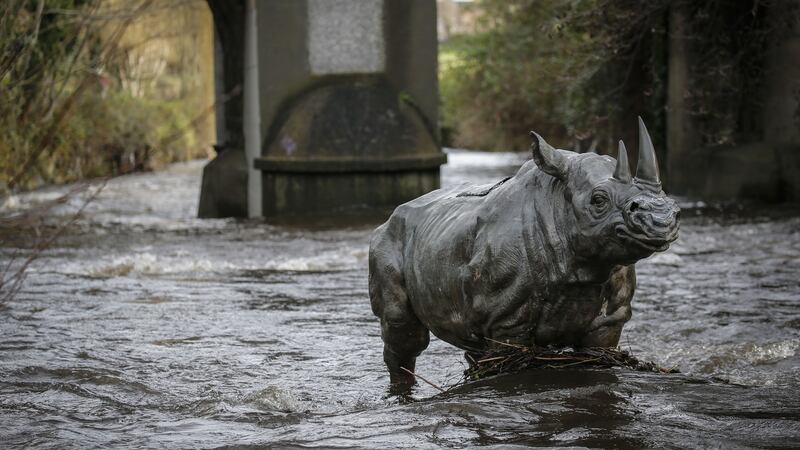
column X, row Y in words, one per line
column 623, row 171
column 647, row 168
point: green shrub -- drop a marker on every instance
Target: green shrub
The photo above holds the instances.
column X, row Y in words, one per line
column 117, row 134
column 580, row 71
column 65, row 113
column 559, row 67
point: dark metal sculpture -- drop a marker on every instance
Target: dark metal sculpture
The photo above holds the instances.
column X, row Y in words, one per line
column 545, row 257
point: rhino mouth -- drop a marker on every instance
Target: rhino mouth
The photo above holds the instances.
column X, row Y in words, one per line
column 649, row 243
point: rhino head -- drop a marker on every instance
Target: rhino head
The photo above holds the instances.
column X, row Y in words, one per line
column 614, row 217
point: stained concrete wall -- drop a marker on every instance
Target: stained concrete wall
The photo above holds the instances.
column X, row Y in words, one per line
column 307, row 43
column 349, row 105
column 412, row 54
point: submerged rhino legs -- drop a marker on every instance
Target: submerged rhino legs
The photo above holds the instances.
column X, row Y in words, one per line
column 404, row 336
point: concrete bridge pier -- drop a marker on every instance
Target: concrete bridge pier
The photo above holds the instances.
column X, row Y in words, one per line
column 339, row 107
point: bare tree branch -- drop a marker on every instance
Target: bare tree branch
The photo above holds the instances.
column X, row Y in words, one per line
column 11, row 282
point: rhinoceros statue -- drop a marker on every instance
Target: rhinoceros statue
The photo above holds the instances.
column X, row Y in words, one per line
column 545, row 257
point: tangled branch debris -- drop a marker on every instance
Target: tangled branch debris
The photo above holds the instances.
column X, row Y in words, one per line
column 507, row 358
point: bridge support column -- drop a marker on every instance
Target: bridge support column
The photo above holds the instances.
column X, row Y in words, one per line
column 347, row 105
column 252, row 111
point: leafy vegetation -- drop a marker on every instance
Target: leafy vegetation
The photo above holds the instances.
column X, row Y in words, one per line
column 73, row 101
column 83, row 96
column 534, row 64
column 579, row 71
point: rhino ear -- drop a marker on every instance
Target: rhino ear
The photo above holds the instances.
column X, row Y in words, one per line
column 548, row 159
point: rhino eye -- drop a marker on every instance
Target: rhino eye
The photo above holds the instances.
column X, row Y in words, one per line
column 599, row 199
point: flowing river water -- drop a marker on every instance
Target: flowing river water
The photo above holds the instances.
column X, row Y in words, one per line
column 146, row 327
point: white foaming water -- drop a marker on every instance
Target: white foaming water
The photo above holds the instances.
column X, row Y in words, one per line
column 166, row 199
column 30, row 199
column 751, row 364
column 157, row 223
column 272, row 398
column 466, row 158
column 146, row 263
column 342, row 259
column 740, row 362
column 666, row 259
column 150, row 264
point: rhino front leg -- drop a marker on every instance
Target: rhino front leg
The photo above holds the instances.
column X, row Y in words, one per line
column 404, row 336
column 606, row 329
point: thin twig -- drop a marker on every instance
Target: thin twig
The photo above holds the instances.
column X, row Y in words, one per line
column 554, row 358
column 471, row 359
column 583, row 361
column 13, row 283
column 507, row 344
column 423, row 379
column 491, row 359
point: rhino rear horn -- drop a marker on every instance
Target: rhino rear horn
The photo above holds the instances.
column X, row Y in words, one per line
column 623, row 171
column 547, row 158
column 647, row 167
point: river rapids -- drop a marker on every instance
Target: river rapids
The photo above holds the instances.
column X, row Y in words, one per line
column 144, row 326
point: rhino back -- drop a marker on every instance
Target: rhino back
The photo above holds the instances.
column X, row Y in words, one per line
column 448, row 237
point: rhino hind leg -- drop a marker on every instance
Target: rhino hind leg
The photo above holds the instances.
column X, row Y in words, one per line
column 404, row 336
